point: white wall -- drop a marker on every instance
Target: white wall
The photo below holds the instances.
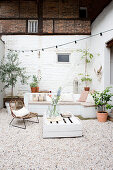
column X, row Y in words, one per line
column 2, row 53
column 54, row 74
column 103, row 22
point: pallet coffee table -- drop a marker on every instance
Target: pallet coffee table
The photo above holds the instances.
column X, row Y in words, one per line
column 63, row 127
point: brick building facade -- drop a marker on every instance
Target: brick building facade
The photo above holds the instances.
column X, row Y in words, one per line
column 53, row 16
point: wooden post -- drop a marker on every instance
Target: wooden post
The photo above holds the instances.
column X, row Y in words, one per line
column 40, row 16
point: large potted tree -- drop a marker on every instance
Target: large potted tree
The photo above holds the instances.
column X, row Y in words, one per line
column 11, row 72
column 102, row 103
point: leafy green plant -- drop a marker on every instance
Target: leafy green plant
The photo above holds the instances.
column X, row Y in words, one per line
column 102, row 99
column 87, row 56
column 86, row 79
column 36, row 80
column 11, row 72
column 34, row 84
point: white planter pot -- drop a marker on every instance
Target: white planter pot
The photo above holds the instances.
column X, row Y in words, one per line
column 8, row 107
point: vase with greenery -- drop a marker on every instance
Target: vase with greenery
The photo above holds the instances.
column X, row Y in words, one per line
column 52, row 111
column 35, row 84
column 87, row 57
column 102, row 102
column 11, row 72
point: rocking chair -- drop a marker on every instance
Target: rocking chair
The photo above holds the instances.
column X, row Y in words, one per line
column 18, row 111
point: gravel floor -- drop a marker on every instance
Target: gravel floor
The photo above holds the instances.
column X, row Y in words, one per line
column 27, row 150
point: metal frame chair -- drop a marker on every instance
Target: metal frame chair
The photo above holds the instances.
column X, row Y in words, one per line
column 16, row 105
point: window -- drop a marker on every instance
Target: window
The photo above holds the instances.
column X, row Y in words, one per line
column 63, row 58
column 83, row 12
column 33, row 26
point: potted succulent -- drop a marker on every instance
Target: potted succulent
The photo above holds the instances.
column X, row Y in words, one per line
column 102, row 100
column 35, row 84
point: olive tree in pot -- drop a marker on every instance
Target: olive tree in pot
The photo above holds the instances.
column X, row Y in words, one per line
column 102, row 102
column 11, row 72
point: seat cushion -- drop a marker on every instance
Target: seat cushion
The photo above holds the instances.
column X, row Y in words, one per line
column 67, row 97
column 21, row 112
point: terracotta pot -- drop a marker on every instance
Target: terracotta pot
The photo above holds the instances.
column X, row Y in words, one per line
column 86, row 88
column 37, row 89
column 102, row 116
column 33, row 89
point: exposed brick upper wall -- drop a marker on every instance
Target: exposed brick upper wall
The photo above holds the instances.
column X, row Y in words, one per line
column 48, row 26
column 60, row 9
column 9, row 9
column 28, row 9
column 12, row 26
column 12, row 9
column 72, row 26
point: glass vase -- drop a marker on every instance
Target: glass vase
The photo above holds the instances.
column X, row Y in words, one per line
column 53, row 111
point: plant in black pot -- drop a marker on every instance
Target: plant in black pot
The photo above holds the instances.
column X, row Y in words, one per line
column 102, row 102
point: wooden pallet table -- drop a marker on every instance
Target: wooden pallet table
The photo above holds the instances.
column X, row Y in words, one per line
column 63, row 127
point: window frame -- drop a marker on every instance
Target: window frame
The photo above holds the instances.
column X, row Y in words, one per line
column 29, row 28
column 83, row 8
column 63, row 54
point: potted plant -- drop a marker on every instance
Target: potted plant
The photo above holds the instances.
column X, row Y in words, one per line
column 87, row 57
column 86, row 79
column 11, row 72
column 102, row 100
column 35, row 84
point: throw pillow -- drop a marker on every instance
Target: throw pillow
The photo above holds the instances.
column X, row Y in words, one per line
column 83, row 96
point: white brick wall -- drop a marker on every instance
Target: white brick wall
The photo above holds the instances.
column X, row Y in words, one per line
column 55, row 74
column 1, row 85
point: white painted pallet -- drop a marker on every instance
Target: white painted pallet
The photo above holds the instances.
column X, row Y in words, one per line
column 66, row 127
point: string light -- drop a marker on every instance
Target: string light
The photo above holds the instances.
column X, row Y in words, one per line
column 101, row 33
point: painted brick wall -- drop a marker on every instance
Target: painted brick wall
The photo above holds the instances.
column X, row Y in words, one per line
column 2, row 52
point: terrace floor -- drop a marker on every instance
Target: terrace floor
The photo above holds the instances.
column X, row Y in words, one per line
column 27, row 150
